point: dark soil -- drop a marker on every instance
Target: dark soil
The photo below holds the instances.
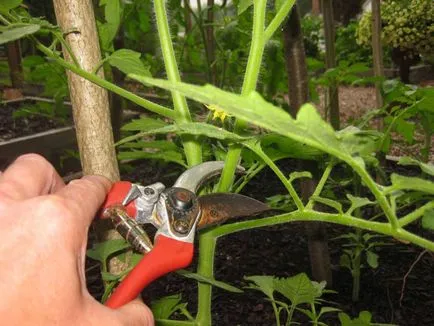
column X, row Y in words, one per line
column 282, row 251
column 11, row 127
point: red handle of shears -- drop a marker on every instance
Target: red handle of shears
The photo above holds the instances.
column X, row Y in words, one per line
column 167, row 255
column 116, row 196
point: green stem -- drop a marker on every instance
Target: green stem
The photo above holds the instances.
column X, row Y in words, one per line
column 291, row 313
column 413, row 216
column 153, row 107
column 288, row 185
column 392, row 125
column 276, row 313
column 67, row 47
column 249, row 85
column 311, row 215
column 187, row 314
column 321, row 184
column 278, row 19
column 253, row 171
column 379, row 195
column 192, row 147
column 207, row 244
column 356, row 278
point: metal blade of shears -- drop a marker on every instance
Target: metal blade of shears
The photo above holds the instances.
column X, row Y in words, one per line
column 218, row 208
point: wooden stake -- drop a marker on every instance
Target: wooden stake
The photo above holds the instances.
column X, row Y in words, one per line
column 90, row 103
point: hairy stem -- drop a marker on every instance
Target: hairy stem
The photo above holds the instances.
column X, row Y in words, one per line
column 207, row 243
column 153, row 107
column 321, row 184
column 249, row 85
column 192, row 147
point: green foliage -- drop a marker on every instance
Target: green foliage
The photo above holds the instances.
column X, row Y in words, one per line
column 312, row 27
column 12, row 33
column 7, row 5
column 404, row 105
column 167, row 306
column 128, row 62
column 428, row 220
column 102, row 251
column 349, row 50
column 211, row 281
column 299, row 290
column 407, row 26
column 38, row 70
column 364, row 319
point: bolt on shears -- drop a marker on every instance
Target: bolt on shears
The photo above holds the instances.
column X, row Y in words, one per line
column 177, row 213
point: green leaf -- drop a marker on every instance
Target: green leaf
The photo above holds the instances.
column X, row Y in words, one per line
column 13, row 33
column 298, row 175
column 308, row 313
column 357, row 68
column 359, row 142
column 144, row 124
column 309, row 128
column 33, row 61
column 289, row 147
column 109, row 277
column 329, row 202
column 193, row 128
column 209, row 280
column 156, row 144
column 428, row 220
column 326, row 310
column 7, row 5
column 102, row 251
column 363, row 320
column 108, row 29
column 372, row 259
column 165, row 307
column 265, row 284
column 128, row 61
column 243, row 5
column 400, row 182
column 357, row 202
column 345, row 261
column 428, row 168
column 298, row 289
column 406, row 129
column 167, row 156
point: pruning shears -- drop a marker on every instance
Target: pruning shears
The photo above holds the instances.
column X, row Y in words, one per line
column 177, row 213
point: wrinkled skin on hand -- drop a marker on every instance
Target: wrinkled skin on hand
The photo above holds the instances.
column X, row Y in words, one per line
column 43, row 237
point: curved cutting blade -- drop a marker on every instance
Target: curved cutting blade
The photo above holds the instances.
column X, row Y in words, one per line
column 196, row 176
column 217, row 208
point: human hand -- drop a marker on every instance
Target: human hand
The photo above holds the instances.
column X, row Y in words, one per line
column 43, row 237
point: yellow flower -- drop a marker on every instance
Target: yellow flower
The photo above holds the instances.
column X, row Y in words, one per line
column 218, row 113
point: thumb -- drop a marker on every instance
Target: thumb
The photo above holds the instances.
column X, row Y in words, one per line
column 135, row 313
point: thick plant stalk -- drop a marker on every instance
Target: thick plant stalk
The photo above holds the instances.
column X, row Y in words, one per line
column 90, row 102
column 295, row 59
column 192, row 147
column 377, row 50
column 332, row 97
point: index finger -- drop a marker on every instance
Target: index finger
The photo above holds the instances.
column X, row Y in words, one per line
column 29, row 176
column 83, row 197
